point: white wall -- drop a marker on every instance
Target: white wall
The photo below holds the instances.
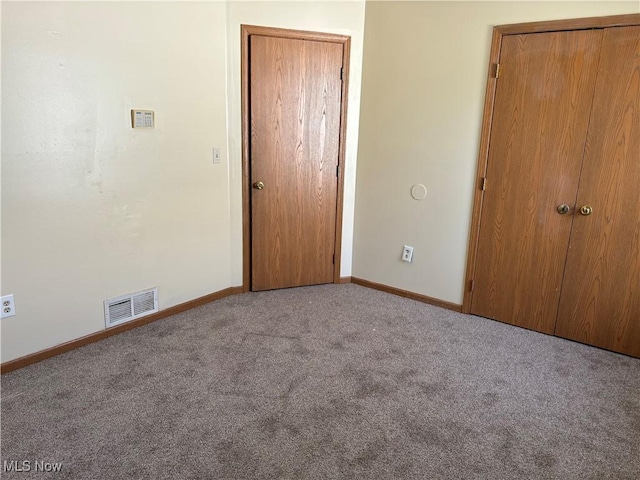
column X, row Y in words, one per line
column 93, row 209
column 90, row 207
column 346, row 18
column 424, row 77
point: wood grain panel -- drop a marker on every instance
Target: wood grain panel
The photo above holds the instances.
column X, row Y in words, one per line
column 481, row 172
column 540, row 122
column 499, row 32
column 346, row 55
column 295, row 101
column 600, row 302
column 571, row 24
column 296, row 34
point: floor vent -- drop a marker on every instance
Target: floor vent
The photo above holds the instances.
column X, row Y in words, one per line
column 125, row 308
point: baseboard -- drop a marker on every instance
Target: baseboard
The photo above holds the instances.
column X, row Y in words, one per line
column 183, row 307
column 102, row 334
column 405, row 293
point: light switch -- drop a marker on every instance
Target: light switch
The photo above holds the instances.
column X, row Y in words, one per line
column 216, row 154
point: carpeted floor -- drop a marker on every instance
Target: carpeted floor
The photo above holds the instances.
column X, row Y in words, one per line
column 326, row 382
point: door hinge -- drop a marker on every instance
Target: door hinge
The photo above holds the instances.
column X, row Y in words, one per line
column 337, row 170
column 484, row 183
column 471, row 285
column 497, row 70
column 341, row 73
column 333, row 259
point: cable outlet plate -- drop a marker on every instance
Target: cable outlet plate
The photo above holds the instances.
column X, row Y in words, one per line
column 8, row 306
column 407, row 254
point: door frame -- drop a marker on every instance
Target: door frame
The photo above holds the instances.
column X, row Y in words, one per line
column 487, row 118
column 345, row 41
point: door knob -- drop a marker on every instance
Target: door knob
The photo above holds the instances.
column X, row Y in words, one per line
column 586, row 210
column 563, row 209
column 258, row 185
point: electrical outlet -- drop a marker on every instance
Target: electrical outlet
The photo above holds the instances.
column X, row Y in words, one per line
column 8, row 307
column 407, row 253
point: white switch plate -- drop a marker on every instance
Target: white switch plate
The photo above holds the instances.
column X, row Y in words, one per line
column 407, row 253
column 216, row 155
column 8, row 306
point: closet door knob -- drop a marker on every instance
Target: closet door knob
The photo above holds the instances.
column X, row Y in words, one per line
column 586, row 210
column 563, row 209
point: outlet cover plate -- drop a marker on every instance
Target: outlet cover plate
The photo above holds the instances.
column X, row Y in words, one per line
column 407, row 254
column 8, row 306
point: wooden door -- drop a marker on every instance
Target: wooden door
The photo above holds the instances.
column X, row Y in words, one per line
column 540, row 121
column 295, row 107
column 600, row 302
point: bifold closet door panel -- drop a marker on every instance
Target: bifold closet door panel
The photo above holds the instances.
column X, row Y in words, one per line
column 600, row 303
column 540, row 121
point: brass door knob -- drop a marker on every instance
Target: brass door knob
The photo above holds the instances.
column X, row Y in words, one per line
column 563, row 209
column 586, row 210
column 258, row 185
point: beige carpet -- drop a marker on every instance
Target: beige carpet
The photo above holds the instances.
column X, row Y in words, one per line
column 327, row 382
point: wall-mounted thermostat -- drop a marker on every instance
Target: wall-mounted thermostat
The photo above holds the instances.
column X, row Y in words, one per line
column 142, row 119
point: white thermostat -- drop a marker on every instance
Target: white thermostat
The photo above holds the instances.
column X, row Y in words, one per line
column 142, row 119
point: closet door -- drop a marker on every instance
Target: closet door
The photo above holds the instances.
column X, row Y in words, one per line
column 540, row 122
column 600, row 302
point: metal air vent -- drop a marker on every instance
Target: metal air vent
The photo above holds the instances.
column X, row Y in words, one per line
column 125, row 308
